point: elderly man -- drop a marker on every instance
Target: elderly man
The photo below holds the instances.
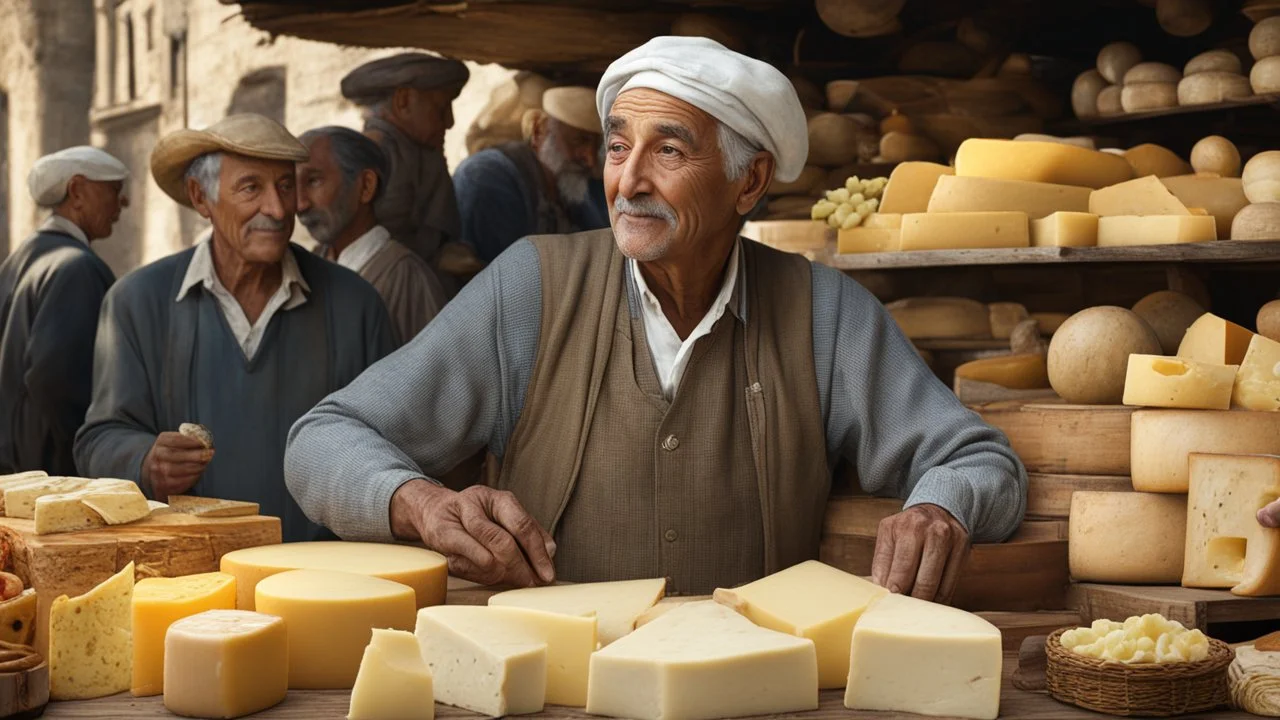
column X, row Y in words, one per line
column 546, row 185
column 51, row 289
column 667, row 399
column 338, row 187
column 241, row 333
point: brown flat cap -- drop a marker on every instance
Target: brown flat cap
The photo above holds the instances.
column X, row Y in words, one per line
column 375, row 80
column 249, row 135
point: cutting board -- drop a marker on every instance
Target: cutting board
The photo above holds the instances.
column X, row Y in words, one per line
column 1065, row 439
column 165, row 545
column 1193, row 607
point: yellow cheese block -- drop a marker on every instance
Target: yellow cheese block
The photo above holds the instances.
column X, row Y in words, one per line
column 915, row 656
column 941, row 317
column 979, row 194
column 1161, row 440
column 1126, row 537
column 1142, row 196
column 869, row 240
column 1226, row 546
column 1040, row 162
column 225, row 664
column 1257, row 385
column 883, row 221
column 1171, row 382
column 1122, row 230
column 160, row 602
column 1221, row 197
column 1210, row 339
column 614, row 605
column 330, row 617
column 18, row 618
column 702, row 660
column 810, row 600
column 394, row 682
column 91, row 640
column 965, row 230
column 480, row 665
column 1065, row 229
column 910, row 185
column 1016, row 372
column 425, row 571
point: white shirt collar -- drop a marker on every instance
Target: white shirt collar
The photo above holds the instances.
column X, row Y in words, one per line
column 59, row 224
column 359, row 253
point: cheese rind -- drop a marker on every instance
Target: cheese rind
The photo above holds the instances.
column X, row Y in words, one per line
column 1126, row 537
column 225, row 664
column 482, row 666
column 965, row 230
column 1210, row 339
column 954, row 193
column 1161, row 441
column 1065, row 229
column 1142, row 196
column 160, row 602
column 910, row 186
column 615, row 605
column 1125, row 230
column 394, row 682
column 91, row 640
column 1040, row 162
column 1257, row 384
column 1226, row 546
column 1170, row 382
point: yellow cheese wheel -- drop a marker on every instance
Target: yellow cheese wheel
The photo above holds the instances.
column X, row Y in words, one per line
column 1084, row 93
column 1109, row 100
column 1216, row 154
column 1269, row 320
column 1259, row 221
column 1152, row 72
column 1169, row 313
column 1264, row 39
column 1101, row 522
column 1213, row 87
column 897, row 147
column 1116, row 59
column 1265, row 76
column 1152, row 159
column 1261, row 177
column 1214, row 61
column 1040, row 162
column 1162, row 440
column 833, row 140
column 1089, row 354
column 1140, row 97
column 860, row 18
column 941, row 317
column 1184, row 18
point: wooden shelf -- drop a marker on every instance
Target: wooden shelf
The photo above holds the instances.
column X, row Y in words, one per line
column 1227, row 106
column 1220, row 251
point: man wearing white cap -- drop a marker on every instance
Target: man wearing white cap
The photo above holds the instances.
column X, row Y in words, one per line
column 51, row 289
column 667, row 399
column 547, row 185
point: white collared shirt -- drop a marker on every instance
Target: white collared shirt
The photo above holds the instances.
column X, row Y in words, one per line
column 670, row 353
column 57, row 223
column 290, row 294
column 359, row 253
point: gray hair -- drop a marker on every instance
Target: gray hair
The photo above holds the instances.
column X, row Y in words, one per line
column 353, row 152
column 736, row 150
column 207, row 171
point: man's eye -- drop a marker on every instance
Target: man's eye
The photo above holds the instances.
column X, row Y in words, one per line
column 669, row 150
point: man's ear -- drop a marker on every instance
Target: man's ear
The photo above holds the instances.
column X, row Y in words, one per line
column 756, row 181
column 540, row 127
column 198, row 199
column 401, row 99
column 368, row 186
column 77, row 188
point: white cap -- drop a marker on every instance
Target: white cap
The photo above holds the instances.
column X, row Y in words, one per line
column 48, row 178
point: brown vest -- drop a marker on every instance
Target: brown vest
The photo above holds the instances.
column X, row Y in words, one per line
column 726, row 482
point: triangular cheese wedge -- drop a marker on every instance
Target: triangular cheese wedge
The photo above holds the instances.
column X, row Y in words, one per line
column 394, row 682
column 615, row 605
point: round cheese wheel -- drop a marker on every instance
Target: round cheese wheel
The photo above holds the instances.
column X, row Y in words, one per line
column 1259, row 221
column 1214, row 61
column 1216, row 154
column 1152, row 159
column 1261, row 177
column 1103, row 521
column 1114, row 60
column 1149, row 96
column 1081, row 141
column 1265, row 76
column 811, row 179
column 840, row 93
column 1084, row 93
column 1089, row 354
column 1264, row 40
column 860, row 18
column 1169, row 313
column 1152, row 72
column 902, row 147
column 1184, row 18
column 1269, row 320
column 1109, row 101
column 833, row 140
column 1213, row 87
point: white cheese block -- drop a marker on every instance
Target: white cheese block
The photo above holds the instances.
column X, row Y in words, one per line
column 394, row 682
column 1226, row 546
column 977, row 194
column 1103, row 545
column 480, row 666
column 1143, row 196
column 702, row 661
column 1257, row 384
column 85, row 509
column 614, row 605
column 1171, row 382
column 1124, row 230
column 21, row 478
column 1161, row 440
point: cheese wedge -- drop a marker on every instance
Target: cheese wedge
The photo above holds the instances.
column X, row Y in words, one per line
column 158, row 603
column 869, row 240
column 18, row 618
column 910, row 186
column 1226, row 546
column 1065, row 229
column 1040, row 162
column 20, row 499
column 978, row 194
column 1160, row 442
column 1257, row 385
column 480, row 665
column 22, row 477
column 614, row 605
column 225, row 664
column 1126, row 537
column 1210, row 339
column 88, row 508
column 965, row 230
column 1016, row 372
column 1128, row 230
column 1157, row 381
column 810, row 600
column 1221, row 197
column 1143, row 196
column 700, row 661
column 394, row 682
column 91, row 640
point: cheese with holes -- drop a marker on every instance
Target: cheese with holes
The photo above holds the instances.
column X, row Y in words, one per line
column 1221, row 197
column 941, row 317
column 18, row 618
column 1210, row 339
column 1161, row 440
column 1257, row 384
column 965, row 230
column 1040, row 162
column 919, row 657
column 1103, row 546
column 481, row 665
column 883, row 221
column 978, row 194
column 159, row 602
column 701, row 661
column 1065, row 229
column 1143, row 196
column 425, row 571
column 1123, row 230
column 614, row 605
column 330, row 616
column 869, row 240
column 394, row 682
column 225, row 664
column 810, row 600
column 1171, row 382
column 1226, row 546
column 910, row 186
column 91, row 640
column 1016, row 372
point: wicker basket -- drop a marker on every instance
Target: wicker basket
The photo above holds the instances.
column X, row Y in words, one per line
column 1154, row 690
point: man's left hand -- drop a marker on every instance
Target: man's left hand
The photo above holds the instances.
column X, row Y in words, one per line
column 919, row 552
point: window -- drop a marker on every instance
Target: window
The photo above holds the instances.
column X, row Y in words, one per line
column 177, row 61
column 150, row 17
column 131, row 56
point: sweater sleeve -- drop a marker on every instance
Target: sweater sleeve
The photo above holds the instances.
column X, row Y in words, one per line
column 454, row 389
column 906, row 432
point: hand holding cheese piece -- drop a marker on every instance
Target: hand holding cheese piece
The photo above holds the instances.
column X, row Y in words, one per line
column 225, row 664
column 394, row 682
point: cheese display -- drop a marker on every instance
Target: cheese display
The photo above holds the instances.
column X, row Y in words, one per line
column 1126, row 230
column 423, row 570
column 909, row 655
column 1143, row 196
column 810, row 600
column 1151, row 159
column 1254, row 680
column 910, row 186
column 1169, row 313
column 91, row 640
column 1040, row 162
column 1221, row 197
column 1261, row 177
column 160, row 602
column 614, row 605
column 394, row 682
column 941, row 317
column 1210, row 339
column 330, row 616
column 1162, row 440
column 225, row 664
column 1172, row 382
column 1141, row 639
column 702, row 661
column 18, row 618
column 1216, row 154
column 1065, row 229
column 963, row 230
column 1103, row 546
column 20, row 499
column 869, row 240
column 1016, row 372
column 954, row 193
column 1089, row 355
column 1226, row 545
column 1259, row 221
column 479, row 665
column 1257, row 384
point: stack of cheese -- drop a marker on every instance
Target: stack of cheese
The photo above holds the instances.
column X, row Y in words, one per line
column 1260, row 220
column 64, row 504
column 1264, row 45
column 1123, row 83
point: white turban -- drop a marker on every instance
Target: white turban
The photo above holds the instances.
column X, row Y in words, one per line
column 750, row 96
column 48, row 178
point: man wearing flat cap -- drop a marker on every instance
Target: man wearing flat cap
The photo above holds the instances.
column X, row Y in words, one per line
column 546, row 185
column 241, row 333
column 667, row 399
column 51, row 290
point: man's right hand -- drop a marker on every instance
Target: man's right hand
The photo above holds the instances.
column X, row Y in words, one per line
column 485, row 534
column 174, row 464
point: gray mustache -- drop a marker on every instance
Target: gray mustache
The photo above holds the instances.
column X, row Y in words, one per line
column 645, row 206
column 262, row 222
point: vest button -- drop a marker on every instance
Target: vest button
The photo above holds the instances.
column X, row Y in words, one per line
column 670, row 535
column 670, row 443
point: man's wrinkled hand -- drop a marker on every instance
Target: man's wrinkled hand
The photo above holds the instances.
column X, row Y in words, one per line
column 1269, row 516
column 174, row 464
column 919, row 553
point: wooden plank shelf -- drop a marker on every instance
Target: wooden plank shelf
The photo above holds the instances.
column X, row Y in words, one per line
column 1219, row 251
column 1272, row 99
